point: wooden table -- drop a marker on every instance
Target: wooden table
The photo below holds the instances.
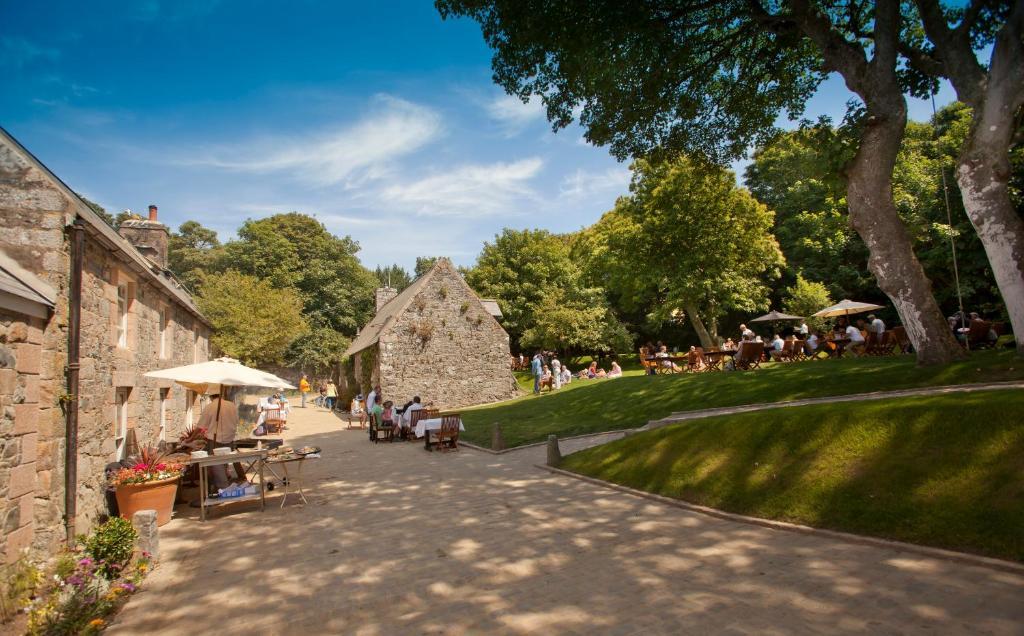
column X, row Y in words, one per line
column 715, row 359
column 258, row 457
column 678, row 361
column 840, row 343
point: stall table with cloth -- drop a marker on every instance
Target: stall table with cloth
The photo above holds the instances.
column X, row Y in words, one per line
column 257, row 459
column 423, row 428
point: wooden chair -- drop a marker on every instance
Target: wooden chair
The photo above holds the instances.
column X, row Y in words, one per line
column 379, row 432
column 414, row 418
column 695, row 361
column 447, row 437
column 874, row 344
column 749, row 356
column 900, row 339
column 977, row 337
column 799, row 350
column 645, row 363
column 786, row 353
column 273, row 421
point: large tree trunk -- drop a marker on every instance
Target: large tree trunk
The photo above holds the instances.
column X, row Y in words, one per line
column 698, row 325
column 983, row 173
column 873, row 215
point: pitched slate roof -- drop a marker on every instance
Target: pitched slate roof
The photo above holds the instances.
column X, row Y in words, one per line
column 23, row 291
column 370, row 334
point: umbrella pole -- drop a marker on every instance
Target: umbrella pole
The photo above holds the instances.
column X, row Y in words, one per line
column 220, row 400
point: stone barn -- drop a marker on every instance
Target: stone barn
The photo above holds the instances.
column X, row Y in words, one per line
column 435, row 339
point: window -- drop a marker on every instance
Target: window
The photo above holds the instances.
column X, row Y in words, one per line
column 122, row 315
column 164, row 393
column 163, row 332
column 121, row 419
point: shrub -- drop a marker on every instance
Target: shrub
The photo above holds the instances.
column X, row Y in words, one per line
column 111, row 546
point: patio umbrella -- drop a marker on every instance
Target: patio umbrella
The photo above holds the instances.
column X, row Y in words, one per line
column 845, row 308
column 203, row 376
column 773, row 315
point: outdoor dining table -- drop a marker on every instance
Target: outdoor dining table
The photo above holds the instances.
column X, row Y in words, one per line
column 840, row 343
column 679, row 362
column 716, row 358
column 257, row 457
column 423, row 428
column 287, row 482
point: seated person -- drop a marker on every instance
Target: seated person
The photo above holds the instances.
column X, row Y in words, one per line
column 566, row 375
column 583, row 374
column 546, row 379
column 616, row 371
column 415, row 405
column 729, row 345
column 601, row 373
column 387, row 414
column 777, row 345
column 358, row 410
column 856, row 339
column 268, row 404
column 592, row 370
column 744, row 332
column 811, row 344
column 696, row 360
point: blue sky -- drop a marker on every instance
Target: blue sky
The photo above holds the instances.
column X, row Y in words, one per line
column 378, row 118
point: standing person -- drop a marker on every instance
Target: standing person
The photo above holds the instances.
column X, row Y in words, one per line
column 556, row 372
column 303, row 389
column 220, row 419
column 803, row 331
column 373, row 399
column 323, row 393
column 332, row 395
column 537, row 368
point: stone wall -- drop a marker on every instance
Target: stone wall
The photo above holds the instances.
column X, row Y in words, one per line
column 34, row 210
column 445, row 348
column 20, row 463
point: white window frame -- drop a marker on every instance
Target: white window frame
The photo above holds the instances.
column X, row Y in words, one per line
column 122, row 396
column 164, row 400
column 163, row 331
column 122, row 315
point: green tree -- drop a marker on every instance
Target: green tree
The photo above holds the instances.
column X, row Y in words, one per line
column 254, row 320
column 100, row 211
column 805, row 298
column 711, row 78
column 424, row 263
column 296, row 250
column 192, row 252
column 318, row 350
column 394, row 275
column 686, row 239
column 537, row 284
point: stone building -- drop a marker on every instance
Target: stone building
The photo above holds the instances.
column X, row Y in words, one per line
column 435, row 339
column 133, row 317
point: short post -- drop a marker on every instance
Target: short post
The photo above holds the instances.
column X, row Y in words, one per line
column 497, row 440
column 554, row 454
column 149, row 534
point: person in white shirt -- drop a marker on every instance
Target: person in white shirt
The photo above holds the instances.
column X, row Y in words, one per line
column 803, row 329
column 875, row 325
column 856, row 339
column 777, row 345
column 371, row 399
column 811, row 344
column 616, row 371
column 566, row 375
column 556, row 373
column 744, row 332
column 406, row 421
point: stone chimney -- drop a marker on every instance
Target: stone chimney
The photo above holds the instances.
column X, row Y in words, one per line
column 149, row 236
column 385, row 294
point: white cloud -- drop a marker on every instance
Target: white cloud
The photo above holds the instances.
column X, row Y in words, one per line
column 583, row 183
column 472, row 190
column 17, row 52
column 348, row 155
column 512, row 114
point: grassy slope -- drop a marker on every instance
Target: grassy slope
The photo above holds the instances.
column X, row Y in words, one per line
column 587, row 406
column 946, row 471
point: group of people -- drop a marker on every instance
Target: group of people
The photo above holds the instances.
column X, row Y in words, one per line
column 549, row 372
column 815, row 341
column 384, row 411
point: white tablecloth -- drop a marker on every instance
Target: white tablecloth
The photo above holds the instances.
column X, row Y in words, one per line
column 432, row 425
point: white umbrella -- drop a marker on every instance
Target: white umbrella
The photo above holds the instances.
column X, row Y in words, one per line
column 773, row 316
column 845, row 308
column 203, row 376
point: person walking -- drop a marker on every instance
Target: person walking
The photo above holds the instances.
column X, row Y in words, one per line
column 332, row 395
column 304, row 389
column 537, row 368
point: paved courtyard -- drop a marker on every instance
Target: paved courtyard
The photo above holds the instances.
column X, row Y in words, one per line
column 396, row 540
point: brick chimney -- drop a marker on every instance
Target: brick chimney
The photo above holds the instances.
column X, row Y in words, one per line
column 385, row 294
column 149, row 236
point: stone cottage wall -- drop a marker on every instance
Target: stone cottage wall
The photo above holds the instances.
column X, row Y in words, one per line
column 33, row 213
column 20, row 463
column 445, row 348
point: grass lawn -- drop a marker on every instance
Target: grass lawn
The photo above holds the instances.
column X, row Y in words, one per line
column 945, row 471
column 589, row 406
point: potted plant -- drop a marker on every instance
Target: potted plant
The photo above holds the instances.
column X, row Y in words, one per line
column 148, row 483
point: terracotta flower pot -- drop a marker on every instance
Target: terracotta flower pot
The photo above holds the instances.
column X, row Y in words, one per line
column 152, row 495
